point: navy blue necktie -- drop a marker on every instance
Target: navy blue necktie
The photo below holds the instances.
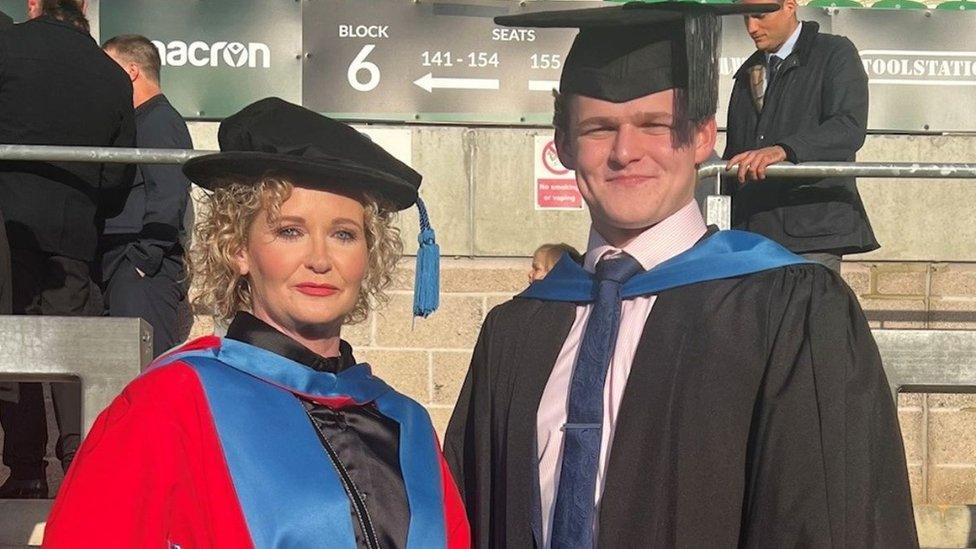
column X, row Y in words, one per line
column 772, row 68
column 572, row 525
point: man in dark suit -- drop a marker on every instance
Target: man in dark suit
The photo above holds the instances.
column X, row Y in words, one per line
column 142, row 258
column 802, row 97
column 57, row 87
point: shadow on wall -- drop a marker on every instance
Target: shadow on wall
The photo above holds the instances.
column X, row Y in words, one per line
column 922, row 319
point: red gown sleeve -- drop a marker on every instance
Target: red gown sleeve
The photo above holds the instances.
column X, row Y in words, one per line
column 150, row 473
column 455, row 517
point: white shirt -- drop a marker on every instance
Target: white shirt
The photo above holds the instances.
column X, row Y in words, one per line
column 670, row 237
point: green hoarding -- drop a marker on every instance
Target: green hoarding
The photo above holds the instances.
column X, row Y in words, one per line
column 217, row 55
column 16, row 9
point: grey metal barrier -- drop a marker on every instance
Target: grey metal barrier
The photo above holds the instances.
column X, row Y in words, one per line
column 928, row 361
column 103, row 354
column 718, row 207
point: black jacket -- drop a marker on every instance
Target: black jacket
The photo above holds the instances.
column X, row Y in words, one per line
column 817, row 109
column 57, row 87
column 150, row 226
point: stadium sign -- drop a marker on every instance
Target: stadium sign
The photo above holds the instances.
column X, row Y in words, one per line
column 920, row 68
column 448, row 62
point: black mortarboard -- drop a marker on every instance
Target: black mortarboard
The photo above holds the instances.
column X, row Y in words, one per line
column 636, row 49
column 275, row 135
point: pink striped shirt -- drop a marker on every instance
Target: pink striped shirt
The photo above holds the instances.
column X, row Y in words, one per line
column 657, row 244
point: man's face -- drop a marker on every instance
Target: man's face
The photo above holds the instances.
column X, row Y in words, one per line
column 630, row 171
column 769, row 31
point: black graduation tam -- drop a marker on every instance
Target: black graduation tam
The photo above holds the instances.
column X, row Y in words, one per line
column 273, row 135
column 636, row 49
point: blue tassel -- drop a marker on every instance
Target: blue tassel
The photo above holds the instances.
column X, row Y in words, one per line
column 426, row 285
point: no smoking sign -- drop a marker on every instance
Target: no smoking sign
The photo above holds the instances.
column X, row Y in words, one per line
column 555, row 185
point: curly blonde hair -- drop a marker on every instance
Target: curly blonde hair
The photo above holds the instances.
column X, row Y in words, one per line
column 225, row 218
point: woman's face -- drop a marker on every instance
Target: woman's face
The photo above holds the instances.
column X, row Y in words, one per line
column 306, row 270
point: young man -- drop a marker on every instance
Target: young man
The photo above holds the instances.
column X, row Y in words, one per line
column 687, row 387
column 142, row 258
column 803, row 97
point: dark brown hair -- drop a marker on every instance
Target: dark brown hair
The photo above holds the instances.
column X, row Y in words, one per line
column 68, row 11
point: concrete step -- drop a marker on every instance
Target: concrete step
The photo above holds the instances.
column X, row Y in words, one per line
column 22, row 521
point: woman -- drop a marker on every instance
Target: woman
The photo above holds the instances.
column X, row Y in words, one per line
column 273, row 436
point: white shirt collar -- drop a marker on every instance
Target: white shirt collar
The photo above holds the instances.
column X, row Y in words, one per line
column 659, row 243
column 786, row 49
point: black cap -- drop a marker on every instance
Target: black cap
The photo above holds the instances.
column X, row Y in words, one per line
column 273, row 135
column 636, row 49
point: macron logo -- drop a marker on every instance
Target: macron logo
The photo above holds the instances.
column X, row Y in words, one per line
column 178, row 53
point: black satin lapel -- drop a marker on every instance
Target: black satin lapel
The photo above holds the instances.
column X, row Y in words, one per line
column 541, row 345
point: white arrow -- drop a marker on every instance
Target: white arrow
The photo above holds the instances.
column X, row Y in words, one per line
column 429, row 82
column 543, row 85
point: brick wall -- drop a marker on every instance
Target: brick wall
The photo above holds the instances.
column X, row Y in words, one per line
column 939, row 430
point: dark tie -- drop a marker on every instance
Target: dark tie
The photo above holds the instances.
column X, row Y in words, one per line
column 772, row 69
column 572, row 525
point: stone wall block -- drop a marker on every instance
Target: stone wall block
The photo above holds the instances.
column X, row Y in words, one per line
column 440, row 418
column 406, row 371
column 857, row 276
column 359, row 335
column 952, row 485
column 902, row 279
column 950, row 438
column 954, row 279
column 911, row 434
column 449, row 371
column 455, row 325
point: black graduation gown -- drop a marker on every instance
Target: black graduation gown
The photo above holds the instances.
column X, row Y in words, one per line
column 756, row 414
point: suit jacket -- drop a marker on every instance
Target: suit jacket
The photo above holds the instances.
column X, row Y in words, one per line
column 817, row 109
column 57, row 87
column 150, row 227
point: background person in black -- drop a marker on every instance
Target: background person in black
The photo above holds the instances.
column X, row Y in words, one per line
column 142, row 259
column 57, row 87
column 813, row 108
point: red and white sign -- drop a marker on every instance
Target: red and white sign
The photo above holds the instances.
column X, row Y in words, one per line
column 555, row 185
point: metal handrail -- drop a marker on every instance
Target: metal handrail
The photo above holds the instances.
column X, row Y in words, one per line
column 57, row 153
column 852, row 169
column 718, row 208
